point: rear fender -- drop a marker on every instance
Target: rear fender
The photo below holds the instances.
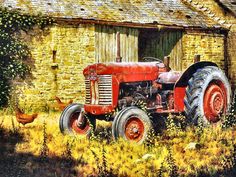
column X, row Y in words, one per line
column 182, row 83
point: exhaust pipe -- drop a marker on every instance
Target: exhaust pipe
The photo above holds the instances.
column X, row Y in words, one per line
column 118, row 57
column 196, row 58
column 167, row 62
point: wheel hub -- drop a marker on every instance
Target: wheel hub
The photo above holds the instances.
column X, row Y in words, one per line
column 217, row 103
column 214, row 102
column 134, row 129
column 74, row 124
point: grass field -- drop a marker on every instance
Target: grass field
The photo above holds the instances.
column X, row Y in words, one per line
column 39, row 149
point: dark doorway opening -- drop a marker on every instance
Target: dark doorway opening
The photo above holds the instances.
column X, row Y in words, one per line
column 158, row 44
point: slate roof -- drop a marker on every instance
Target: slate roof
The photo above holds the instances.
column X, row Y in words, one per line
column 230, row 5
column 144, row 12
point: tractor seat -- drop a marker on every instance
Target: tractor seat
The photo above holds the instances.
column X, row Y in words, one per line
column 168, row 77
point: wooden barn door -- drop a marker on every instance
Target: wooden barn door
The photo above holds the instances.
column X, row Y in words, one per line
column 106, row 43
column 154, row 43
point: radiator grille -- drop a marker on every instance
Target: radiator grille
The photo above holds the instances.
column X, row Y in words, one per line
column 87, row 90
column 104, row 84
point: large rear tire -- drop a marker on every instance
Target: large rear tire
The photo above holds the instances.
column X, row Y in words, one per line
column 132, row 124
column 68, row 121
column 208, row 96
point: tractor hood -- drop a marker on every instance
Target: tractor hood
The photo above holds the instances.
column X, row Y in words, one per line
column 129, row 68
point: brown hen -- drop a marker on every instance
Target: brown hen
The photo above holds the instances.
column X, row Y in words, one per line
column 62, row 105
column 23, row 118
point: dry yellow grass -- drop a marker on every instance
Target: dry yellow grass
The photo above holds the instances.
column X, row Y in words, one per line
column 126, row 158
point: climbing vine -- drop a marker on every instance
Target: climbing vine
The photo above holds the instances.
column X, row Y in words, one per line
column 14, row 53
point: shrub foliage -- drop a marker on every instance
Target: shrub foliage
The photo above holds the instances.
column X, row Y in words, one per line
column 14, row 53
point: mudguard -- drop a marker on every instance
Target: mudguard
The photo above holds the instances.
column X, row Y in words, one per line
column 181, row 84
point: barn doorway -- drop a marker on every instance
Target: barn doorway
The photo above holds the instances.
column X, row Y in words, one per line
column 155, row 43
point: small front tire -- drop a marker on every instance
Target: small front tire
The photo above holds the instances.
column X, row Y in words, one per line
column 132, row 124
column 68, row 121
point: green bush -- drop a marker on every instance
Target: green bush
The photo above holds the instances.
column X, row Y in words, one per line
column 14, row 53
column 4, row 90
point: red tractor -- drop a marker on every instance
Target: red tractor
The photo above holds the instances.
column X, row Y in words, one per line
column 202, row 93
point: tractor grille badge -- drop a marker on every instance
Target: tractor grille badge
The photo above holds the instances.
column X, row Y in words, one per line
column 92, row 76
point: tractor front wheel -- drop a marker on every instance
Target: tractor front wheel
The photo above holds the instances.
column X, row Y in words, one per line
column 132, row 124
column 208, row 96
column 69, row 121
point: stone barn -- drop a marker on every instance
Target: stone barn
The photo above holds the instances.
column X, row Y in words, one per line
column 86, row 32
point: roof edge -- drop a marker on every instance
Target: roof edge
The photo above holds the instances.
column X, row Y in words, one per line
column 76, row 21
column 208, row 13
column 226, row 8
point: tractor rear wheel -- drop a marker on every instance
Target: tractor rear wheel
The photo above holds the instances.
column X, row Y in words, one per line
column 132, row 124
column 69, row 121
column 207, row 96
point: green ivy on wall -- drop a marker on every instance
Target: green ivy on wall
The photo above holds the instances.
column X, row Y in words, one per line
column 13, row 51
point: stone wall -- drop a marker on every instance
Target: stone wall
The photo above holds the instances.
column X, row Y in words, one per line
column 59, row 57
column 209, row 45
column 231, row 46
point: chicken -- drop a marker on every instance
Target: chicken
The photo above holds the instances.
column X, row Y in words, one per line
column 23, row 118
column 62, row 105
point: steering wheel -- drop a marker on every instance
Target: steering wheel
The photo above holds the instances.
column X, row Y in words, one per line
column 152, row 59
